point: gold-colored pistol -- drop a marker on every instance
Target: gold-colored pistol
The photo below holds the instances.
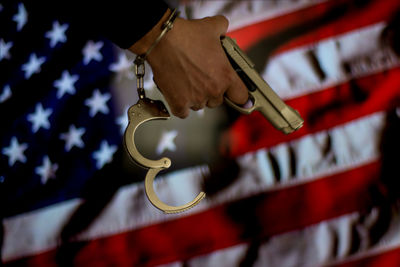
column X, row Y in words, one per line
column 262, row 96
column 264, row 99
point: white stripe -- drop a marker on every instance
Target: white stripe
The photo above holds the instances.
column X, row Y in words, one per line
column 228, row 257
column 36, row 231
column 291, row 73
column 389, row 241
column 130, row 209
column 244, row 13
column 311, row 246
column 256, row 171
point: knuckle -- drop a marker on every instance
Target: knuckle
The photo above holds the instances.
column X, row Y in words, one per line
column 215, row 89
column 180, row 111
column 223, row 20
column 219, row 101
column 197, row 107
column 219, row 23
column 181, row 114
column 215, row 102
column 199, row 99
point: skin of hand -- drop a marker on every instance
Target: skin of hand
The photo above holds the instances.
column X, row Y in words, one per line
column 190, row 66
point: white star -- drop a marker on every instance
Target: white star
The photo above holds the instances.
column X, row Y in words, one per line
column 123, row 120
column 21, row 17
column 33, row 65
column 104, row 154
column 6, row 94
column 167, row 141
column 40, row 118
column 123, row 66
column 97, row 103
column 57, row 34
column 5, row 49
column 15, row 151
column 65, row 84
column 73, row 137
column 92, row 51
column 47, row 170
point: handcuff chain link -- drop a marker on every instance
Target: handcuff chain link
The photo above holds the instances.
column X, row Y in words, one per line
column 140, row 72
column 140, row 59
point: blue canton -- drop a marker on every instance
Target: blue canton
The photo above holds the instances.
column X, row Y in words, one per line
column 58, row 127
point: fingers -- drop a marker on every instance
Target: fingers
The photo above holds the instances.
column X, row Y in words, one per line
column 227, row 83
column 215, row 102
column 178, row 106
column 180, row 111
column 237, row 92
column 198, row 106
column 193, row 53
column 235, row 88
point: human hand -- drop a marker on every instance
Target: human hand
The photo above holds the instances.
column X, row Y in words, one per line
column 191, row 68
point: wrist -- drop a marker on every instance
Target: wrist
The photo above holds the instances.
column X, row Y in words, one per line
column 143, row 45
column 167, row 44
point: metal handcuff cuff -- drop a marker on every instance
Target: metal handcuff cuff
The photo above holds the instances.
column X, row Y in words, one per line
column 283, row 117
column 145, row 110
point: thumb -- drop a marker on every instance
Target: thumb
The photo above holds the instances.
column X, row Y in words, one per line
column 219, row 23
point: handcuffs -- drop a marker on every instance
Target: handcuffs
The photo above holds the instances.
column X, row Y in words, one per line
column 263, row 98
column 145, row 110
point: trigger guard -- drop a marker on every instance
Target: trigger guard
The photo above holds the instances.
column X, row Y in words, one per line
column 243, row 110
column 144, row 110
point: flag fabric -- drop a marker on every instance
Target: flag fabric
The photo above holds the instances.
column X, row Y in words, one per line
column 326, row 195
column 58, row 119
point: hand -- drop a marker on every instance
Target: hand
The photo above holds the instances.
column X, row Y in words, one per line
column 191, row 68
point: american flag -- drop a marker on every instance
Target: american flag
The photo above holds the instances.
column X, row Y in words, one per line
column 326, row 195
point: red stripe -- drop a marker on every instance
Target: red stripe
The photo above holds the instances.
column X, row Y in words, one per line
column 387, row 259
column 257, row 217
column 374, row 12
column 320, row 110
column 353, row 18
column 249, row 35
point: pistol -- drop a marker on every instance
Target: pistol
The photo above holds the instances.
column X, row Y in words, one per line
column 263, row 98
